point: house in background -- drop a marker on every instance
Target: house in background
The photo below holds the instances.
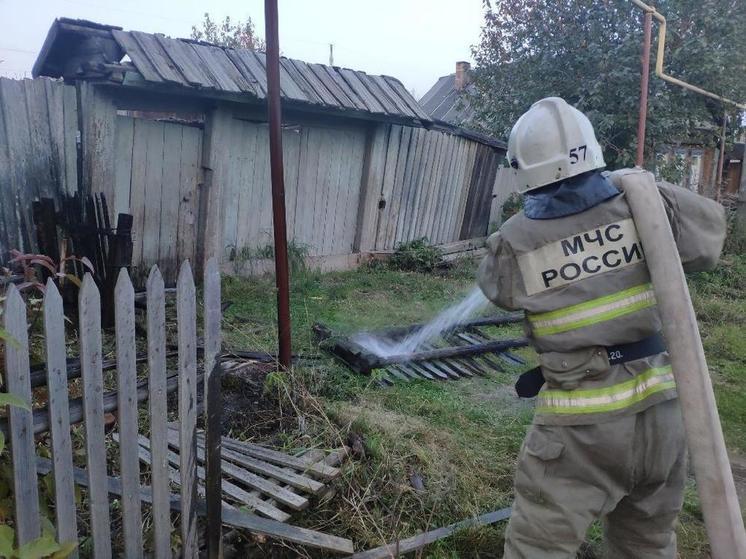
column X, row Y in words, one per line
column 174, row 132
column 447, row 101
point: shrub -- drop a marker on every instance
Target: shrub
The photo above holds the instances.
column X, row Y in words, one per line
column 417, row 256
column 512, row 205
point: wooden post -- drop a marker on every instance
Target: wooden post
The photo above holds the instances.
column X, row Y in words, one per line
column 213, row 476
column 717, row 491
column 187, row 336
column 21, row 420
column 282, row 272
column 157, row 412
column 213, row 406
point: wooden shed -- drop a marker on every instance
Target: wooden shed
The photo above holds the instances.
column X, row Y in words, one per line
column 174, row 132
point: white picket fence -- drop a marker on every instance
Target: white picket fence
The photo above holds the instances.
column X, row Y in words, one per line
column 26, row 464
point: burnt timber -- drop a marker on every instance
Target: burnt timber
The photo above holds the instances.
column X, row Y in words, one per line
column 460, row 352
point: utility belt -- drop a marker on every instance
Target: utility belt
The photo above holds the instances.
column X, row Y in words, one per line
column 530, row 382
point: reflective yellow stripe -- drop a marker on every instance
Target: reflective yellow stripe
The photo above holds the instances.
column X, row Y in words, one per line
column 610, row 398
column 593, row 311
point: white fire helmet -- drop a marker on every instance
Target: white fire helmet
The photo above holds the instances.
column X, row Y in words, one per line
column 552, row 141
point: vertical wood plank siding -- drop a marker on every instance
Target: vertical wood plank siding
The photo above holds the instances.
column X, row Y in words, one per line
column 323, row 173
column 196, row 193
column 430, row 184
column 157, row 172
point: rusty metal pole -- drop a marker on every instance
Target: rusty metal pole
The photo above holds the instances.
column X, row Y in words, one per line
column 282, row 274
column 644, row 79
column 719, row 183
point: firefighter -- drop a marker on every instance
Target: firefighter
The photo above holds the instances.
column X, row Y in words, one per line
column 607, row 440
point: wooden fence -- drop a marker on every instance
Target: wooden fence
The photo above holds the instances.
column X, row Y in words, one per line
column 38, row 153
column 99, row 484
column 169, row 452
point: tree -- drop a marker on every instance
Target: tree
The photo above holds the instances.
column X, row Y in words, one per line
column 588, row 52
column 227, row 34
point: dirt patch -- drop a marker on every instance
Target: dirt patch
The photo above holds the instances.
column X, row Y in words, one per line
column 250, row 410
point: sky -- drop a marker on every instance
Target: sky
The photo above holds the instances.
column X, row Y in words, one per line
column 416, row 41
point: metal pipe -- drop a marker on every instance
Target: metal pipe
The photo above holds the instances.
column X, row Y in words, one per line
column 282, row 273
column 719, row 183
column 644, row 79
column 659, row 59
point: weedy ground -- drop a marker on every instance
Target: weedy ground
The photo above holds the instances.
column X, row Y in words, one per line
column 432, row 453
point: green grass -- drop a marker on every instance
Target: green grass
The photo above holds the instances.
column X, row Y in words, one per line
column 461, row 439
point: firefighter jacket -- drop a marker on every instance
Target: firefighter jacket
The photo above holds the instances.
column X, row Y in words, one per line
column 584, row 285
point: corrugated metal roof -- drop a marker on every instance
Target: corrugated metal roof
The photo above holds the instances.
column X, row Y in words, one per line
column 199, row 65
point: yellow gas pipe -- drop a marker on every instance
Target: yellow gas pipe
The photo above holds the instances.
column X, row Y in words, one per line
column 659, row 60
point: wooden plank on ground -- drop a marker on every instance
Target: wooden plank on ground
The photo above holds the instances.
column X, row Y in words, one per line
column 283, row 475
column 419, row 541
column 280, row 494
column 231, row 516
column 187, row 336
column 89, row 313
column 275, row 457
column 231, row 490
column 59, row 412
column 18, row 383
column 157, row 402
column 124, row 305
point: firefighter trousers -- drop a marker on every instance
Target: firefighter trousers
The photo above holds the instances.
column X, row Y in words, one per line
column 630, row 472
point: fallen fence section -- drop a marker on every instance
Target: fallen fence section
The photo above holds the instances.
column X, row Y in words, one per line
column 231, row 516
column 419, row 541
column 463, row 351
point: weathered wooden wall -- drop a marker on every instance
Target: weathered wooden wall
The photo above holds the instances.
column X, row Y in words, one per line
column 157, row 170
column 425, row 183
column 195, row 174
column 323, row 168
column 38, row 154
